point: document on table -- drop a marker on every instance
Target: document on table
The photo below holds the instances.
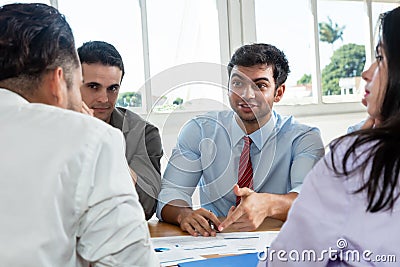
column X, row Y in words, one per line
column 175, row 249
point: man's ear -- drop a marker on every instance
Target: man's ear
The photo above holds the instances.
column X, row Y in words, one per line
column 57, row 87
column 279, row 93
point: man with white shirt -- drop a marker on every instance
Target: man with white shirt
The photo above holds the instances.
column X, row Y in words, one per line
column 60, row 205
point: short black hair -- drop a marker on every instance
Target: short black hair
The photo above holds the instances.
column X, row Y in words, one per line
column 256, row 54
column 101, row 52
column 35, row 38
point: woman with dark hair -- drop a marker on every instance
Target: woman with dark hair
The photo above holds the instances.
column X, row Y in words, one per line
column 348, row 212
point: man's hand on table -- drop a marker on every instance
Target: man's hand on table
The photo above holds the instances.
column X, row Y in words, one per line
column 197, row 222
column 253, row 209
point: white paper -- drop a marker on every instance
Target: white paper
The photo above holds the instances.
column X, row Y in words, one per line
column 175, row 249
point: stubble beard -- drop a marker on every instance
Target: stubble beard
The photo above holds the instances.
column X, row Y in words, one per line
column 255, row 120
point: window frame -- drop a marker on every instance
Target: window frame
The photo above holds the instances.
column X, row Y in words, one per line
column 237, row 26
column 319, row 107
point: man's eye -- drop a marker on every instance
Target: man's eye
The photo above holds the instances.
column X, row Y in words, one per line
column 113, row 89
column 261, row 85
column 237, row 84
column 92, row 86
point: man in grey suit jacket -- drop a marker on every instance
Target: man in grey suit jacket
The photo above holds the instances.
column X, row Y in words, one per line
column 103, row 70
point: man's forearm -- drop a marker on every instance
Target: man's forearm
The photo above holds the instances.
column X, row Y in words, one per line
column 175, row 211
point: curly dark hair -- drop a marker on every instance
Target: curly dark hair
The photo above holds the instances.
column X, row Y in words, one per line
column 255, row 54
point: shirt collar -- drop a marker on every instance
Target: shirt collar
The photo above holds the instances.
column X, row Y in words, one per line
column 9, row 96
column 258, row 137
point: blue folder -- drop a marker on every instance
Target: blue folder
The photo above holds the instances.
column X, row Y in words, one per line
column 248, row 260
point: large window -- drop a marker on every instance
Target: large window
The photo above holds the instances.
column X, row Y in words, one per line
column 328, row 44
column 175, row 50
column 118, row 23
column 183, row 33
column 342, row 39
column 176, row 33
column 292, row 32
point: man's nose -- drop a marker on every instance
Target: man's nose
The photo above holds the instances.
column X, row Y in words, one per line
column 102, row 96
column 249, row 91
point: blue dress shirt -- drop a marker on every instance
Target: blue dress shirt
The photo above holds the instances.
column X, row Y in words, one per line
column 208, row 151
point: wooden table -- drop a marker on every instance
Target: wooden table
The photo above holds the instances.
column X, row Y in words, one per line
column 162, row 229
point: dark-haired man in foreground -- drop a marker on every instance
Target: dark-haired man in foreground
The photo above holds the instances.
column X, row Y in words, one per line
column 60, row 205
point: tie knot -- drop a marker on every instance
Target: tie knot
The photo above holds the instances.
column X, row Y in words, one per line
column 247, row 140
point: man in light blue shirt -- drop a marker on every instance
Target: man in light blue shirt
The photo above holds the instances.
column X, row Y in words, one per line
column 209, row 147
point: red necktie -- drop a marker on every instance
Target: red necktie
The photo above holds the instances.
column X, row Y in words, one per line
column 245, row 173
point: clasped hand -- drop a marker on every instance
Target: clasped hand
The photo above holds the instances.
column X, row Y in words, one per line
column 249, row 214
